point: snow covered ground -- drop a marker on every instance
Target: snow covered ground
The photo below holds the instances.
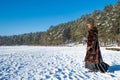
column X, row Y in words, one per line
column 53, row 63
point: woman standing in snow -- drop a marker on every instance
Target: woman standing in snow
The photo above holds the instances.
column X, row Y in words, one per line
column 93, row 58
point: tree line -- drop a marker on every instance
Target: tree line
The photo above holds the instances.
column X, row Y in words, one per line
column 107, row 21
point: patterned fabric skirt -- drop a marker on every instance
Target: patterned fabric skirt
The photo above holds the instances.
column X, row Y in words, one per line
column 102, row 67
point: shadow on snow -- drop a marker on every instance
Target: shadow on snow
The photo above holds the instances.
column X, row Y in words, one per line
column 114, row 68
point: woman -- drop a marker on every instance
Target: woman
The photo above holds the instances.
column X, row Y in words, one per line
column 93, row 58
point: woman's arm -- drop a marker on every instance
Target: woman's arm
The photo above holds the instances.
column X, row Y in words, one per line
column 94, row 40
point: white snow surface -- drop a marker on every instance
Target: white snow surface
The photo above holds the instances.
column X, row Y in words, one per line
column 53, row 63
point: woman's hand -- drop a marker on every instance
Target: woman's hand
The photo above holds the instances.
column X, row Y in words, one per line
column 88, row 48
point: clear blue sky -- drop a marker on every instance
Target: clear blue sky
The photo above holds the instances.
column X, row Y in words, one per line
column 25, row 16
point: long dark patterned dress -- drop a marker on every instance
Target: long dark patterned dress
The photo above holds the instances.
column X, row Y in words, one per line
column 93, row 58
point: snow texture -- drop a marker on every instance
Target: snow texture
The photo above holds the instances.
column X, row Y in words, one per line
column 53, row 63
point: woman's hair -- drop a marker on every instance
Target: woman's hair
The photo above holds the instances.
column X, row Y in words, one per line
column 90, row 21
